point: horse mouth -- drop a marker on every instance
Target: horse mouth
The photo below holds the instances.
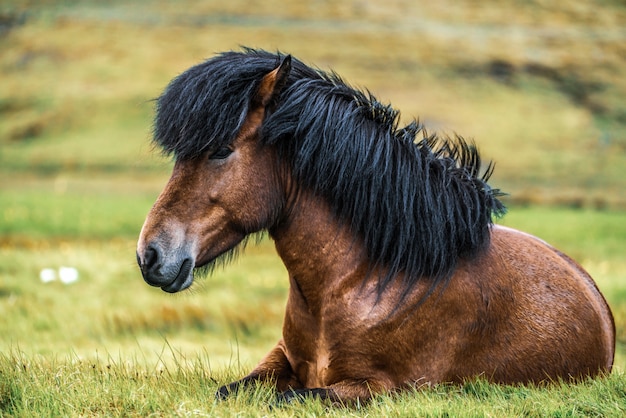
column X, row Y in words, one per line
column 183, row 279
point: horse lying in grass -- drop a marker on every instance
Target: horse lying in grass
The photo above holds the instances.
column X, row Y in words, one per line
column 398, row 276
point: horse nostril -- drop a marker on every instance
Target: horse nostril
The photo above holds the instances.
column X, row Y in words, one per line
column 150, row 258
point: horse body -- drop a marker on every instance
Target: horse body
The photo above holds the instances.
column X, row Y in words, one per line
column 362, row 315
column 512, row 316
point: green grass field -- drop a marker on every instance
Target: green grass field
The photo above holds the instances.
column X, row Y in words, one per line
column 540, row 90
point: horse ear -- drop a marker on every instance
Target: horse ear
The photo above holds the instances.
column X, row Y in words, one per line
column 273, row 82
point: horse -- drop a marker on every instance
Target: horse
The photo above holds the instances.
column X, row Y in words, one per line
column 399, row 275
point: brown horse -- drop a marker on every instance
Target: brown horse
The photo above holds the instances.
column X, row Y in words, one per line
column 398, row 277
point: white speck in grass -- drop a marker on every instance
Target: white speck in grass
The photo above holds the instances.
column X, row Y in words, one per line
column 68, row 275
column 47, row 275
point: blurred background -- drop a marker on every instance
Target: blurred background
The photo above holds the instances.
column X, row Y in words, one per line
column 539, row 85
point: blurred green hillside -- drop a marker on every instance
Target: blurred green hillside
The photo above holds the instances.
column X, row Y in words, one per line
column 538, row 84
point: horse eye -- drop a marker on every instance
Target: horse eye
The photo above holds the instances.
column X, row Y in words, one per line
column 221, row 153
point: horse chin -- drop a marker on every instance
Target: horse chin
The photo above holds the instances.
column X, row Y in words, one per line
column 183, row 280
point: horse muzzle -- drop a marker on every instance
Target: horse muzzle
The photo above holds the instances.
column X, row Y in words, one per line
column 172, row 272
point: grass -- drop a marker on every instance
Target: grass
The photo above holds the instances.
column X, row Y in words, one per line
column 111, row 308
column 541, row 91
column 107, row 386
column 145, row 352
column 77, row 206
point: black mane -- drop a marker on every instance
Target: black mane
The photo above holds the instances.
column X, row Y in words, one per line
column 418, row 202
column 204, row 108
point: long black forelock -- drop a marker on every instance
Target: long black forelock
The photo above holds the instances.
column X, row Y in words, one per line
column 205, row 107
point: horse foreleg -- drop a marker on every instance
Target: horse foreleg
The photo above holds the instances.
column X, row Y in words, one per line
column 346, row 392
column 274, row 367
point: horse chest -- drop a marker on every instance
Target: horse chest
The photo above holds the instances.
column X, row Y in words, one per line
column 309, row 354
column 308, row 346
column 319, row 366
column 320, row 342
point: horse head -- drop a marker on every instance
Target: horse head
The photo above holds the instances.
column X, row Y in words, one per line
column 215, row 199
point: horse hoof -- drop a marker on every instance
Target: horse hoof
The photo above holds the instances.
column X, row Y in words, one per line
column 223, row 393
column 289, row 397
column 300, row 395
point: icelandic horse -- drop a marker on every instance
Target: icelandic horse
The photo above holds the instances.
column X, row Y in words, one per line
column 398, row 276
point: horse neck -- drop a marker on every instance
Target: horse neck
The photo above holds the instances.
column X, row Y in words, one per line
column 320, row 254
